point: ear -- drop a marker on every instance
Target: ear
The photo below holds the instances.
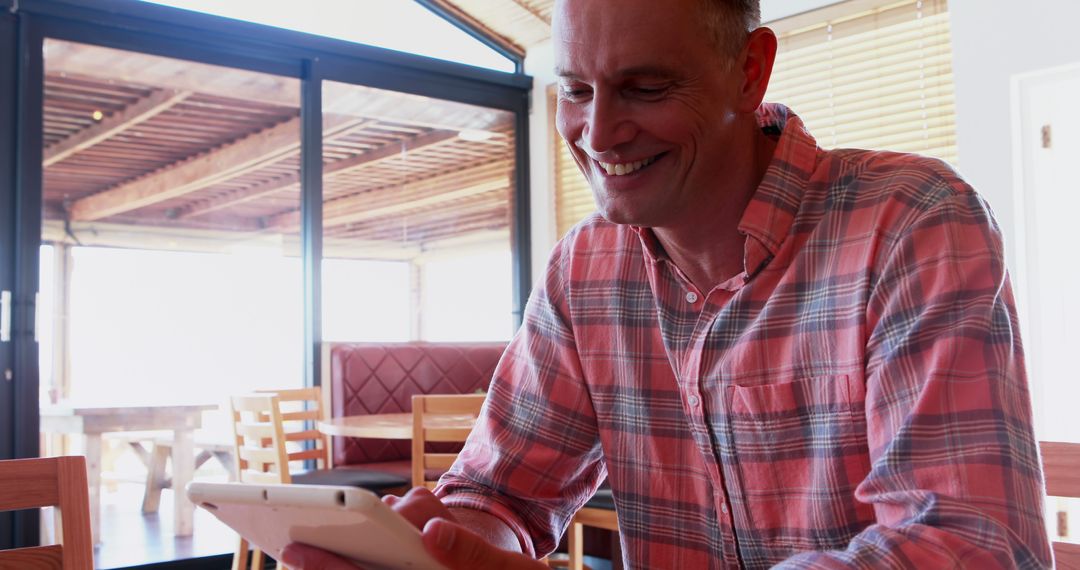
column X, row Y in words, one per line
column 757, row 62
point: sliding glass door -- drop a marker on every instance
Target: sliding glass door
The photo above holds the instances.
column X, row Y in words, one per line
column 163, row 288
column 185, row 186
column 418, row 196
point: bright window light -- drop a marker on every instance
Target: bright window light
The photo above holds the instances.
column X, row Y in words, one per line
column 401, row 25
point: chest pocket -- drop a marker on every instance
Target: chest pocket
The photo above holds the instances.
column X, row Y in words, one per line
column 800, row 451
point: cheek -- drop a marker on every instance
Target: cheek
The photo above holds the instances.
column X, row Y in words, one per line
column 569, row 121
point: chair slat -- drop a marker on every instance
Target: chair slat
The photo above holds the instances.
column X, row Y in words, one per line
column 258, row 455
column 453, row 403
column 446, row 434
column 34, row 557
column 306, row 435
column 27, row 484
column 255, row 431
column 306, row 454
column 301, row 415
column 439, row 460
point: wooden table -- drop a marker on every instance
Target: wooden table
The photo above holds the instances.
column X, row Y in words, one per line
column 389, row 426
column 92, row 421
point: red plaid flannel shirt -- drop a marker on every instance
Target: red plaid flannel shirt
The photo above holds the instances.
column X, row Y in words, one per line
column 856, row 398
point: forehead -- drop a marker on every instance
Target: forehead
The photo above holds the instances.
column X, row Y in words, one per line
column 620, row 33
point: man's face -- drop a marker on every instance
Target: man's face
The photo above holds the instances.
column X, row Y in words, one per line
column 648, row 106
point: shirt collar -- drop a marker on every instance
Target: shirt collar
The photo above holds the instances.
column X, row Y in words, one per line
column 769, row 214
column 772, row 209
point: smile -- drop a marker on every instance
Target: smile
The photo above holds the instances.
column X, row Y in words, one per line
column 625, row 168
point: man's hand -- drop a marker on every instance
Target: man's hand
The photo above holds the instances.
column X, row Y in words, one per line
column 445, row 540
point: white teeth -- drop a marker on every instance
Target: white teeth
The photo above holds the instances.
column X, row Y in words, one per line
column 625, row 168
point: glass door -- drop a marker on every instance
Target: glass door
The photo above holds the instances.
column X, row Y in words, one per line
column 418, row 201
column 165, row 285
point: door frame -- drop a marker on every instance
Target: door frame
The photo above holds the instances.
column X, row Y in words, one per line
column 1024, row 204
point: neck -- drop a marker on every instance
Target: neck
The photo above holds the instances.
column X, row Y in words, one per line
column 709, row 248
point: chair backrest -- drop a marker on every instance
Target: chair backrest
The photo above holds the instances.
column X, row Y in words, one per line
column 272, row 428
column 259, row 439
column 1061, row 467
column 50, row 482
column 301, row 409
column 440, row 418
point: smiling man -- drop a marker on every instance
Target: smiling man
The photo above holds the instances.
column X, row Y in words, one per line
column 777, row 355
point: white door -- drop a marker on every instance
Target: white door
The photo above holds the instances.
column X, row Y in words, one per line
column 1049, row 197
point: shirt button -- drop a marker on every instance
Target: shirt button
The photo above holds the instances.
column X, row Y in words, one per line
column 723, row 508
column 691, row 297
column 693, row 400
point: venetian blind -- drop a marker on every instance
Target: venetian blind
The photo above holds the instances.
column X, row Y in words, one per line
column 861, row 74
column 573, row 197
column 871, row 77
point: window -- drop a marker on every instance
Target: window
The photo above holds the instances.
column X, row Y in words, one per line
column 401, row 25
column 860, row 74
column 871, row 77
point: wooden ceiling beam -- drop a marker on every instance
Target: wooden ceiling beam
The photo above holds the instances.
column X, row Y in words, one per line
column 97, row 63
column 141, row 111
column 428, row 140
column 424, row 193
column 246, row 155
column 455, row 12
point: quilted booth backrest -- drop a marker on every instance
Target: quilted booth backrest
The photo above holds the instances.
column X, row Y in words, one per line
column 381, row 378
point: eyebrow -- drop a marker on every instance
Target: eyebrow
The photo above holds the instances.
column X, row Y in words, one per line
column 654, row 71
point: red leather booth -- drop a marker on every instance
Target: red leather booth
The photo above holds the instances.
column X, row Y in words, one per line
column 380, row 378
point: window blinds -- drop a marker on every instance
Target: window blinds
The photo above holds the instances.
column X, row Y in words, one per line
column 573, row 197
column 880, row 78
column 861, row 74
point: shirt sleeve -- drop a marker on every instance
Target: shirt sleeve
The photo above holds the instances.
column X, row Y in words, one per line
column 955, row 478
column 534, row 456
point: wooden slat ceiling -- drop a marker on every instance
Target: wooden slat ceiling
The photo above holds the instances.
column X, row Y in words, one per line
column 150, row 142
column 520, row 23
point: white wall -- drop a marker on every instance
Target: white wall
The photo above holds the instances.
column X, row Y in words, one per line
column 994, row 40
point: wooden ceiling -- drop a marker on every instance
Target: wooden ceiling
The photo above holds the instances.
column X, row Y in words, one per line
column 520, row 24
column 149, row 142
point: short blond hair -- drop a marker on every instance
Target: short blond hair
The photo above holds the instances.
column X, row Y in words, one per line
column 730, row 22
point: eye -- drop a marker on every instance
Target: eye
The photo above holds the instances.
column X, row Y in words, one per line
column 647, row 92
column 574, row 92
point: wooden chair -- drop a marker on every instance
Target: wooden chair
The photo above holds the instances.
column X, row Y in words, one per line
column 1061, row 467
column 427, row 466
column 274, row 428
column 598, row 512
column 50, row 482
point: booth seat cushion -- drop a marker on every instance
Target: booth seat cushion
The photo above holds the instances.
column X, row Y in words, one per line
column 401, row 468
column 380, row 378
column 371, row 480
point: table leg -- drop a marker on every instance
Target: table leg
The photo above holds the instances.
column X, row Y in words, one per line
column 183, row 464
column 92, row 449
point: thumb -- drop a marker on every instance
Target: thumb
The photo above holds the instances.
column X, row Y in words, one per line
column 459, row 549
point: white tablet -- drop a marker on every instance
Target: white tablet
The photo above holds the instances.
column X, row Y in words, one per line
column 350, row 522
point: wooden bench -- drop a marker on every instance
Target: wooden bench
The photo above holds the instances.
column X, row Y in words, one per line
column 153, row 449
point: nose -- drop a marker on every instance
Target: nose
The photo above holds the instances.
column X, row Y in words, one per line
column 608, row 124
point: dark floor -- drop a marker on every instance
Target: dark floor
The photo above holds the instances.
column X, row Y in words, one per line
column 130, row 538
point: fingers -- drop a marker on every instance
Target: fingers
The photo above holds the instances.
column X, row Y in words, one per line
column 420, row 505
column 303, row 557
column 459, row 549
